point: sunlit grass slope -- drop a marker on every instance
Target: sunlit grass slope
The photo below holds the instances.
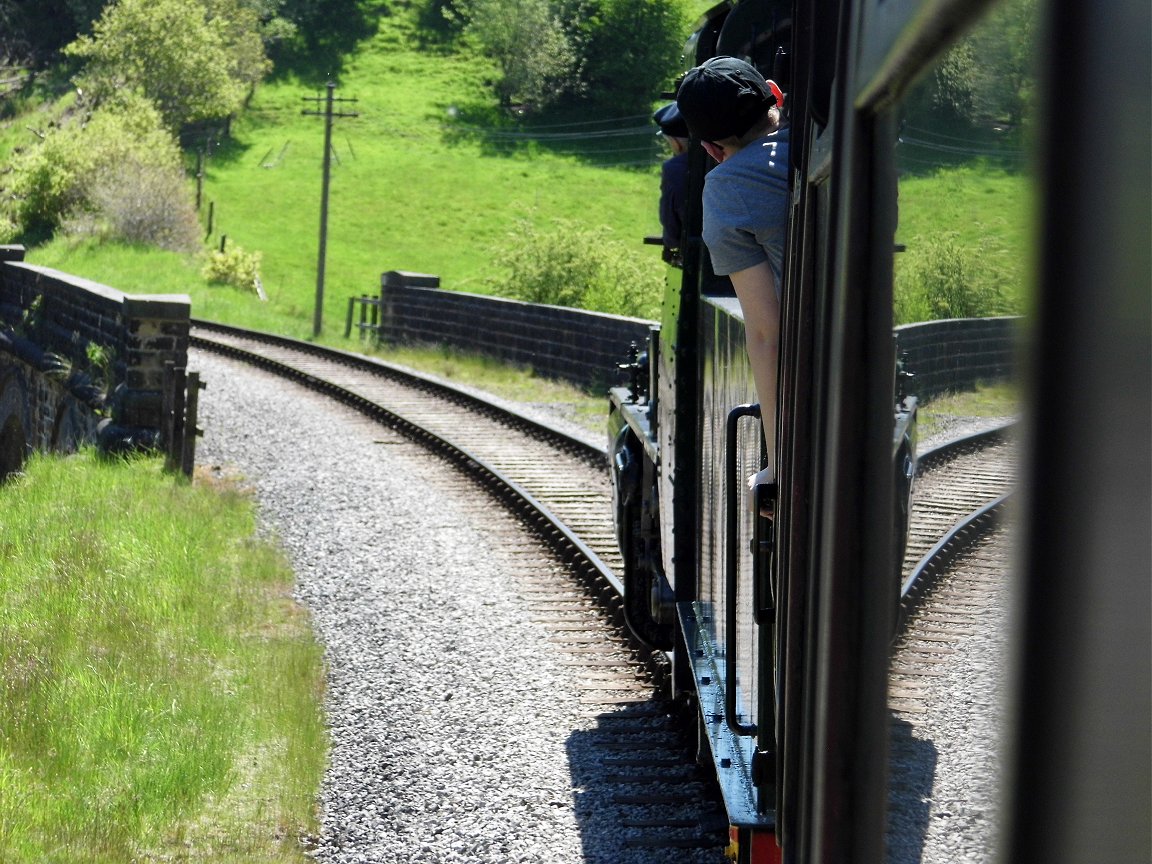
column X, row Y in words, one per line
column 410, row 190
column 159, row 689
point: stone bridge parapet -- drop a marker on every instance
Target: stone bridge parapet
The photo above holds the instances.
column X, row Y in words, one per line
column 81, row 362
column 585, row 347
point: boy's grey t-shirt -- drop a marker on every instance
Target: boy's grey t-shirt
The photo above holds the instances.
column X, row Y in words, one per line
column 746, row 207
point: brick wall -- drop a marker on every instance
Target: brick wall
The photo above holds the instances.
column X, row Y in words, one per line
column 48, row 322
column 584, row 347
column 954, row 355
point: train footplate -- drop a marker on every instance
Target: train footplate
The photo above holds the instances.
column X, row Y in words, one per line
column 733, row 755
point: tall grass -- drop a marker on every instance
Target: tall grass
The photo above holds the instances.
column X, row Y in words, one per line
column 159, row 690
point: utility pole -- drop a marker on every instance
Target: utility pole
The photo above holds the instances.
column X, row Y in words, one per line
column 328, row 114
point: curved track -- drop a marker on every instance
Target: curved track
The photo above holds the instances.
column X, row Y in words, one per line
column 637, row 762
column 950, row 654
column 559, row 486
column 960, row 493
column 557, row 481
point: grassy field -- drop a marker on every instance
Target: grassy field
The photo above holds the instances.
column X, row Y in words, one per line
column 986, row 401
column 411, row 189
column 965, row 231
column 414, row 187
column 160, row 696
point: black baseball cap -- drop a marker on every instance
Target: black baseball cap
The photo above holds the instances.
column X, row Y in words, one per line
column 670, row 121
column 723, row 98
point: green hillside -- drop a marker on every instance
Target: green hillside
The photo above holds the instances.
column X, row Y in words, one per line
column 413, row 187
column 432, row 176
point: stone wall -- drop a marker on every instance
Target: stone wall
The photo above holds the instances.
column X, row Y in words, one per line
column 954, row 355
column 557, row 342
column 77, row 357
column 585, row 347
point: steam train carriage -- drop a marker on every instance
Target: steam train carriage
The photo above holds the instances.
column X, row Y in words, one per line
column 725, row 591
column 779, row 631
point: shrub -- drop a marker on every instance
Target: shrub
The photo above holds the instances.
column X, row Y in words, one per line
column 630, row 283
column 9, row 230
column 576, row 266
column 135, row 203
column 234, row 267
column 58, row 177
column 946, row 281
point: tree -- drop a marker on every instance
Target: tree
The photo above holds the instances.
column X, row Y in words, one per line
column 536, row 57
column 988, row 75
column 243, row 34
column 629, row 50
column 32, row 31
column 616, row 55
column 1005, row 46
column 193, row 61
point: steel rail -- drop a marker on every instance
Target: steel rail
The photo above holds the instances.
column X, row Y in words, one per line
column 457, row 394
column 959, row 538
column 547, row 525
column 949, row 449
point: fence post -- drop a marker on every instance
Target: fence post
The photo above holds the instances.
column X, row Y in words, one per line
column 175, row 385
column 167, row 409
column 188, row 454
column 363, row 314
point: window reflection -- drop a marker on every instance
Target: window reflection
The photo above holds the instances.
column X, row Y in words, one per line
column 964, row 251
column 965, row 189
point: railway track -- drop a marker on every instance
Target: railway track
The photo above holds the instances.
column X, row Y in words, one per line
column 960, row 493
column 557, row 480
column 558, row 486
column 948, row 660
column 636, row 761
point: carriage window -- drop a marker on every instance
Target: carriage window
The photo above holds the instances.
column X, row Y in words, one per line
column 963, row 265
column 965, row 192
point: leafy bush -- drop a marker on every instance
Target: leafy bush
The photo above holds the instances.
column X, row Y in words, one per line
column 138, row 203
column 577, row 266
column 9, row 230
column 59, row 178
column 943, row 280
column 234, row 267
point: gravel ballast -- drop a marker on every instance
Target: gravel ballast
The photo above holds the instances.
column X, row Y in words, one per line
column 452, row 717
column 455, row 722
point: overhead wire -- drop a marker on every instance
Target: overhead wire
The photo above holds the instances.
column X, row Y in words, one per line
column 637, row 128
